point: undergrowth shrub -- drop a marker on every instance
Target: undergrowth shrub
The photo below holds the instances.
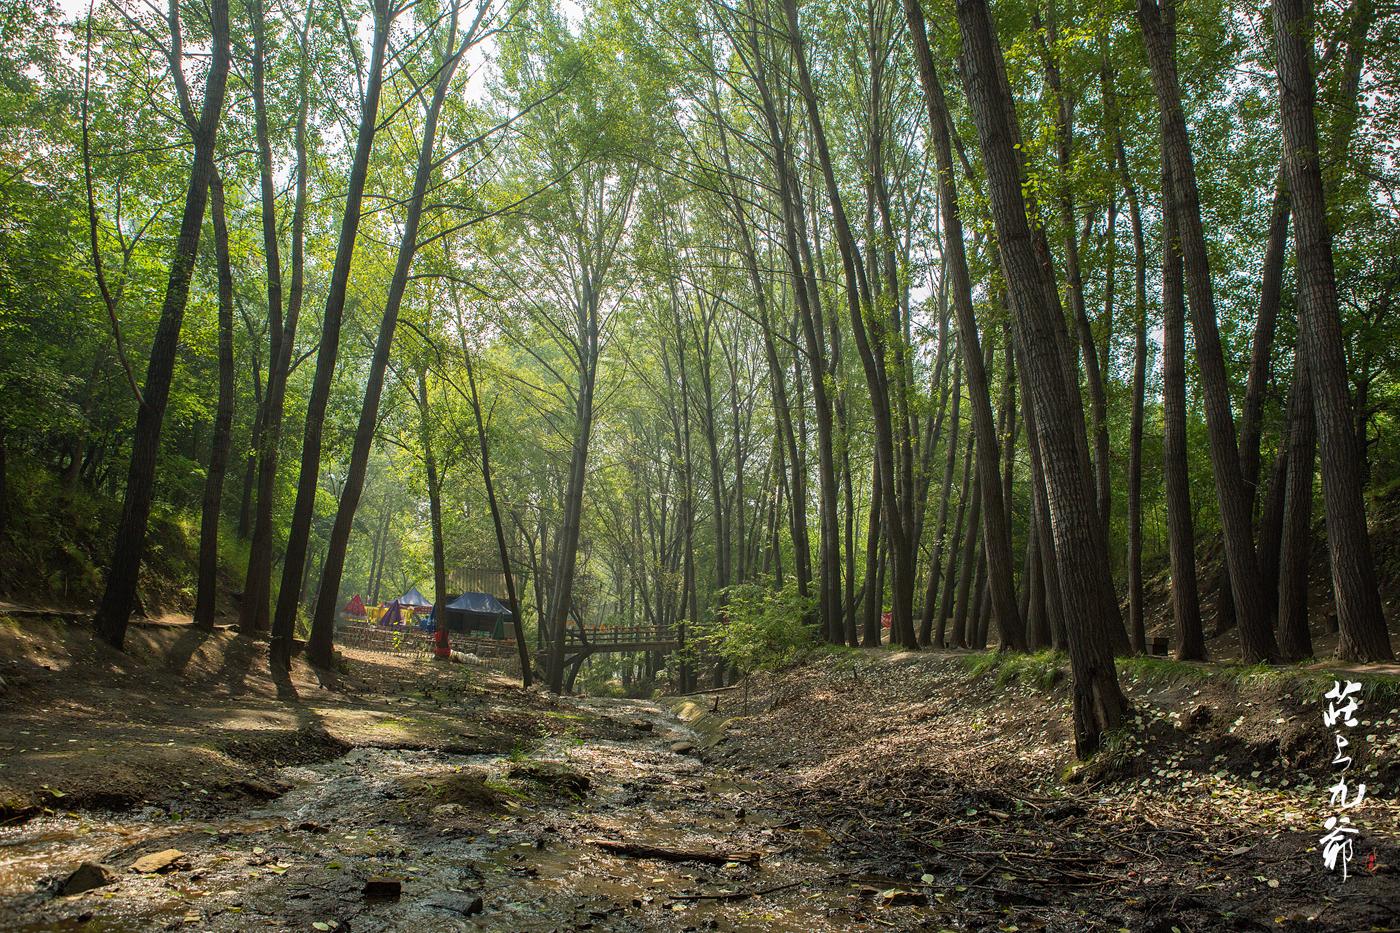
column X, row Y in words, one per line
column 761, row 628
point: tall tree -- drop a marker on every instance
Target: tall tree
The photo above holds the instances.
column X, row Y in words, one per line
column 281, row 321
column 441, row 71
column 129, row 545
column 1090, row 607
column 299, row 533
column 996, row 530
column 1364, row 636
column 1256, row 634
column 207, row 584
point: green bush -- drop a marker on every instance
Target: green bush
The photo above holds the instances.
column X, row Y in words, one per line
column 761, row 628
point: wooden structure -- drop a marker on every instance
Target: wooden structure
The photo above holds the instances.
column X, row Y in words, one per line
column 581, row 642
column 418, row 643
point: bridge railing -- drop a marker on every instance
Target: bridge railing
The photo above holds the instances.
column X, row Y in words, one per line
column 605, row 637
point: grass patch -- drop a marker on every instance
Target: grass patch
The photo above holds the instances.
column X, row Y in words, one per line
column 1042, row 670
column 1285, row 678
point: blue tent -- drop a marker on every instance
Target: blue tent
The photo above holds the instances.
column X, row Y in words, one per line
column 477, row 614
column 479, row 602
column 414, row 600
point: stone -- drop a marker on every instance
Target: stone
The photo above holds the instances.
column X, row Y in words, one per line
column 455, row 902
column 87, row 876
column 552, row 774
column 682, row 748
column 642, row 725
column 383, row 887
column 1199, row 717
column 161, row 861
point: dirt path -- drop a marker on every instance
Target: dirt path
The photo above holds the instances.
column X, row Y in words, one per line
column 863, row 791
column 474, row 841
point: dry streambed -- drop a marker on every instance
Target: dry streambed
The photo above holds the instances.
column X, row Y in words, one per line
column 630, row 834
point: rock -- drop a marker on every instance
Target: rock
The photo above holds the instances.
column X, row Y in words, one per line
column 455, row 902
column 445, row 810
column 552, row 774
column 467, row 789
column 1198, row 718
column 383, row 887
column 87, row 876
column 682, row 748
column 310, row 826
column 162, row 861
column 642, row 725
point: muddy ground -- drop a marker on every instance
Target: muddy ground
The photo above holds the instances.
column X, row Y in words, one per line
column 863, row 791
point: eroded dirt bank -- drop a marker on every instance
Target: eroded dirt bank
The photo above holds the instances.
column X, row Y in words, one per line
column 1205, row 815
column 864, row 791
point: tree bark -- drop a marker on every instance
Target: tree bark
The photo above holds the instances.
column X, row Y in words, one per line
column 1256, row 635
column 1295, row 549
column 1360, row 619
column 207, row 586
column 119, row 595
column 1090, row 606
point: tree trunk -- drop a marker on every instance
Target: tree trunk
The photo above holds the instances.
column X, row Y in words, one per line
column 1256, row 635
column 206, row 591
column 955, row 546
column 1074, row 280
column 1252, row 415
column 1295, row 549
column 997, row 528
column 967, row 566
column 250, row 468
column 129, row 544
column 940, row 535
column 323, row 620
column 1181, row 536
column 1136, row 615
column 1090, row 606
column 304, row 507
column 430, row 466
column 858, row 296
column 1360, row 619
column 257, row 587
column 870, row 610
column 484, row 450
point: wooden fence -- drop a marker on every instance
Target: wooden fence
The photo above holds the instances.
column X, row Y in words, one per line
column 501, row 655
column 385, row 640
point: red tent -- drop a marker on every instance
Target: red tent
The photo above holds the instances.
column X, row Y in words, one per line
column 355, row 607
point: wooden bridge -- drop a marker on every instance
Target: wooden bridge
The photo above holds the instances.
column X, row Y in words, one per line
column 583, row 641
